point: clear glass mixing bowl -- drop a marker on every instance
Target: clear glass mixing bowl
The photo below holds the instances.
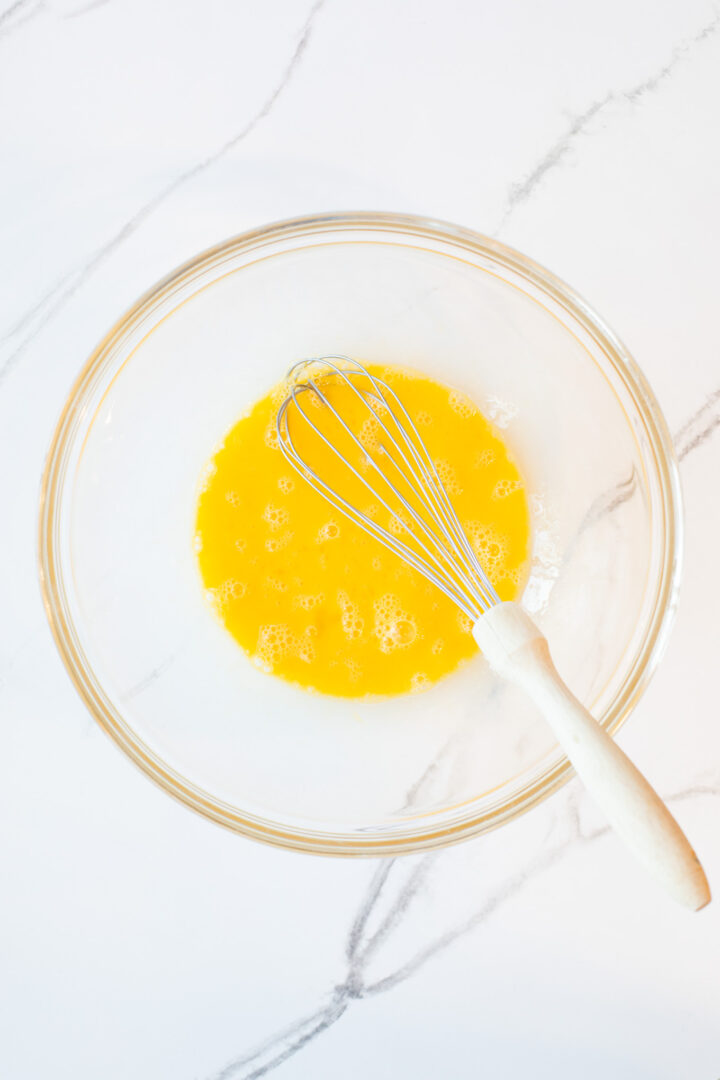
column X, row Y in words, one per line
column 124, row 596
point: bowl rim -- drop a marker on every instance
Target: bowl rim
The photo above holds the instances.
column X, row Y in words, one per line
column 373, row 842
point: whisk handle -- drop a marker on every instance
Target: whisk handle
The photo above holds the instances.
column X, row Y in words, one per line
column 518, row 651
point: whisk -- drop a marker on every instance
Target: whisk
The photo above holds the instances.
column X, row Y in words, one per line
column 397, row 472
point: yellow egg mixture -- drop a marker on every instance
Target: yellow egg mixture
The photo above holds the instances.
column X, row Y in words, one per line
column 308, row 594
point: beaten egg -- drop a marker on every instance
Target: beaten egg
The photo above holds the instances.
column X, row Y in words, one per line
column 312, row 598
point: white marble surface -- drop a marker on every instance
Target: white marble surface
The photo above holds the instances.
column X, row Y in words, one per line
column 138, row 940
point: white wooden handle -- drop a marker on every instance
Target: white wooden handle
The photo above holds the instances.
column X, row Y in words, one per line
column 516, row 650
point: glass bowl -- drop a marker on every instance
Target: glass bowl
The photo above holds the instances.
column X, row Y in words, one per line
column 123, row 593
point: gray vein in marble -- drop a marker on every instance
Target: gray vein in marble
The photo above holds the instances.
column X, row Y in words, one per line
column 697, row 430
column 86, row 8
column 520, row 191
column 150, row 678
column 286, row 1043
column 426, row 777
column 18, row 14
column 508, row 889
column 403, row 899
column 370, row 900
column 14, row 9
column 27, row 316
column 610, row 501
column 76, row 279
column 293, row 1038
column 699, row 427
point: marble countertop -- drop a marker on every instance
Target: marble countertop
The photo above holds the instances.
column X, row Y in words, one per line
column 139, row 940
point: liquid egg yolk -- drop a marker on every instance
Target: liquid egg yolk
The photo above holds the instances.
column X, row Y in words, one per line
column 309, row 595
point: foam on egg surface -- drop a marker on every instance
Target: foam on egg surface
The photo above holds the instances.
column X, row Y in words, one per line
column 311, row 597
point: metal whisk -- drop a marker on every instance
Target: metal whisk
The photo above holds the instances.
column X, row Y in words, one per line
column 399, row 474
column 441, row 551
